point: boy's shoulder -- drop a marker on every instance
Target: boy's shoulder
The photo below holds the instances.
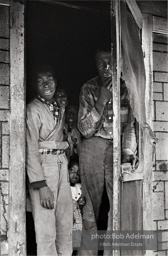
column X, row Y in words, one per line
column 34, row 105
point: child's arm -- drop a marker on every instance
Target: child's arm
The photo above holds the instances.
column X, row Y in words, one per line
column 34, row 168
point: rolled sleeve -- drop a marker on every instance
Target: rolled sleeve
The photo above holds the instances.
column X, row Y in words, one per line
column 88, row 124
column 39, row 184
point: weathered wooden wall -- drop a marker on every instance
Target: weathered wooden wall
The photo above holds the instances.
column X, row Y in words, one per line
column 12, row 128
column 160, row 123
column 16, row 232
column 4, row 123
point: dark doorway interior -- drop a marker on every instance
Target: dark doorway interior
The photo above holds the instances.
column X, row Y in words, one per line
column 67, row 39
column 65, row 35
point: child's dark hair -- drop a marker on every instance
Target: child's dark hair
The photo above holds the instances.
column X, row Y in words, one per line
column 73, row 160
column 44, row 68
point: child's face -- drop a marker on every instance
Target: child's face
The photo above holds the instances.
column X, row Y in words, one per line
column 71, row 116
column 46, row 85
column 74, row 174
column 61, row 98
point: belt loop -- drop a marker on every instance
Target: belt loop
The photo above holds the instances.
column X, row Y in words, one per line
column 59, row 162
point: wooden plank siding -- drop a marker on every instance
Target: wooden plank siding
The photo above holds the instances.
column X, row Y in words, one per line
column 160, row 25
column 4, row 118
column 12, row 129
column 157, row 8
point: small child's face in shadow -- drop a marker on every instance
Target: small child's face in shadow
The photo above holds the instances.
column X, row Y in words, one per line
column 74, row 174
column 71, row 116
column 61, row 98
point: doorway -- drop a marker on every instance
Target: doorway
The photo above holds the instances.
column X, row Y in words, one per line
column 65, row 35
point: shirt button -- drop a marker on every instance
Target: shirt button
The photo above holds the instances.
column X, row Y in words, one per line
column 109, row 117
column 110, row 133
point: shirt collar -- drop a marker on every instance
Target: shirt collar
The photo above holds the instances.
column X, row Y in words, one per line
column 53, row 107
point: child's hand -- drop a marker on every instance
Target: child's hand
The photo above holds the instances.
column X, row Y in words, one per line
column 82, row 201
column 46, row 198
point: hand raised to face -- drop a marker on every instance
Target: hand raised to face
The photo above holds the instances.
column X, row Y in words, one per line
column 107, row 83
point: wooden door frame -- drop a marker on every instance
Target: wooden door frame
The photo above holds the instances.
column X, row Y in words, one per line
column 17, row 217
column 17, row 224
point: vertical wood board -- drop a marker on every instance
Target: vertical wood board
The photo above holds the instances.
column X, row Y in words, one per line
column 147, row 44
column 17, row 244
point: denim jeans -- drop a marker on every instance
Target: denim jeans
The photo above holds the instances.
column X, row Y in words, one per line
column 96, row 168
column 53, row 228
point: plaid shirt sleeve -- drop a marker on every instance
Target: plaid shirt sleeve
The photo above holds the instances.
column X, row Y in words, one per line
column 88, row 117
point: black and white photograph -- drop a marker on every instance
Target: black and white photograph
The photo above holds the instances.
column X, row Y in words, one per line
column 83, row 128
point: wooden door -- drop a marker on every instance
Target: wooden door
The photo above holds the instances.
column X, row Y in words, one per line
column 132, row 206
